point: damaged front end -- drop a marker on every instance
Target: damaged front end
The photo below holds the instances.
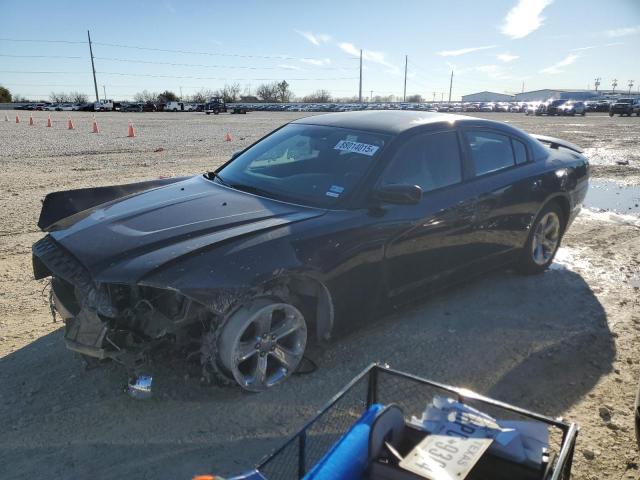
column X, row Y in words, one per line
column 121, row 322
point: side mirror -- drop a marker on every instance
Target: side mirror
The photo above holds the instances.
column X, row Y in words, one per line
column 399, row 194
column 236, row 154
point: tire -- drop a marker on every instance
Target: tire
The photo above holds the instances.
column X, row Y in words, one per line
column 543, row 241
column 637, row 417
column 262, row 343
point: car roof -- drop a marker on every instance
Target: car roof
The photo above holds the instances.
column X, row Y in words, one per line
column 385, row 121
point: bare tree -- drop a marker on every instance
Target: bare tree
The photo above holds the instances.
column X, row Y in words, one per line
column 202, row 96
column 319, row 96
column 59, row 97
column 233, row 91
column 415, row 99
column 78, row 97
column 267, row 92
column 146, row 96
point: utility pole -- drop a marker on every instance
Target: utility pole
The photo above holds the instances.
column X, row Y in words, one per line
column 104, row 91
column 434, row 96
column 404, row 95
column 597, row 83
column 442, row 96
column 614, row 84
column 522, row 87
column 180, row 93
column 450, row 86
column 360, row 89
column 93, row 67
column 630, row 86
column 371, row 96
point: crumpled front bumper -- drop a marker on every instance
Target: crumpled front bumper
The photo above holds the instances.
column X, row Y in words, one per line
column 85, row 331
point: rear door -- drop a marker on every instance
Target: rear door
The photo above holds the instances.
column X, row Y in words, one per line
column 430, row 239
column 508, row 187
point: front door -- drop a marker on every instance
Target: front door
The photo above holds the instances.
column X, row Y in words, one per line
column 429, row 240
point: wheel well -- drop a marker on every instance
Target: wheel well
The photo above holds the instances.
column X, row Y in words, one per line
column 563, row 203
column 314, row 299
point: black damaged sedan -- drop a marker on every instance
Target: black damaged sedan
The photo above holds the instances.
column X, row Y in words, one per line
column 314, row 228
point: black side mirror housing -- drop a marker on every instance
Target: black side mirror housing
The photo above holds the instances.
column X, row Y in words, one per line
column 399, row 194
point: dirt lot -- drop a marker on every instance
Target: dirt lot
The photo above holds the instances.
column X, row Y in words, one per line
column 563, row 344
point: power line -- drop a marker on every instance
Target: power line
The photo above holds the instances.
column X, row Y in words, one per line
column 192, row 52
column 211, row 66
column 166, row 50
column 38, row 56
column 214, row 78
column 39, row 41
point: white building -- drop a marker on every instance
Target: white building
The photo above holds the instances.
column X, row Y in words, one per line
column 556, row 94
column 488, row 97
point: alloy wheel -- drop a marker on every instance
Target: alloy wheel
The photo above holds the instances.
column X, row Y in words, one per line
column 262, row 344
column 546, row 238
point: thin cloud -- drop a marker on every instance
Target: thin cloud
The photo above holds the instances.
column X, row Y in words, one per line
column 525, row 18
column 288, row 67
column 463, row 51
column 622, row 32
column 319, row 62
column 316, row 38
column 591, row 47
column 557, row 67
column 369, row 55
column 507, row 57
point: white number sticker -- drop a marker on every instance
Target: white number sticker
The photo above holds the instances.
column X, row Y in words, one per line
column 356, row 147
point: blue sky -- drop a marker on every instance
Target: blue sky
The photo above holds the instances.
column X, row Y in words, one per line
column 491, row 45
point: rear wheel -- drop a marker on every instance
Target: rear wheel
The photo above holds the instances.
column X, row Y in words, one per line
column 543, row 241
column 262, row 343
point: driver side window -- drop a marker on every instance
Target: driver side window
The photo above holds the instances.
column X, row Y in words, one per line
column 430, row 161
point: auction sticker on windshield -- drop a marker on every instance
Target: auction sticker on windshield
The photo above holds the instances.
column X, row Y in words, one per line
column 356, row 147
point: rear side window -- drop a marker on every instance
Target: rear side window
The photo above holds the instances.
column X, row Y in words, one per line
column 430, row 161
column 493, row 151
column 519, row 151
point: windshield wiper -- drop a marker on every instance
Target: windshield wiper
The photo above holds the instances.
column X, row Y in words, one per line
column 214, row 175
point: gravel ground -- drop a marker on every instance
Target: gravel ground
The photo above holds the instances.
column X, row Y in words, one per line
column 564, row 344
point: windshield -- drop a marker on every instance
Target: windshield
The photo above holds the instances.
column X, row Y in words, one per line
column 307, row 164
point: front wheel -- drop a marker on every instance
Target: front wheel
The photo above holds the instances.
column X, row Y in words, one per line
column 262, row 343
column 543, row 241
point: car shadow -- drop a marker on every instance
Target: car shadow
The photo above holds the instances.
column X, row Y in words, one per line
column 539, row 342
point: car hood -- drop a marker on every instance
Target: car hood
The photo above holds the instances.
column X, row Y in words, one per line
column 125, row 240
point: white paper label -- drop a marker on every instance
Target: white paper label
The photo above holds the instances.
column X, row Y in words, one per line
column 440, row 457
column 356, row 147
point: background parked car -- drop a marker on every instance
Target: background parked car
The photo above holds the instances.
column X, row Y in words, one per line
column 572, row 108
column 625, row 106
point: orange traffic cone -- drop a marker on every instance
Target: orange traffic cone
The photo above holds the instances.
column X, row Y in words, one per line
column 227, row 137
column 31, row 120
column 49, row 121
column 17, row 118
column 69, row 124
column 94, row 127
column 132, row 132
